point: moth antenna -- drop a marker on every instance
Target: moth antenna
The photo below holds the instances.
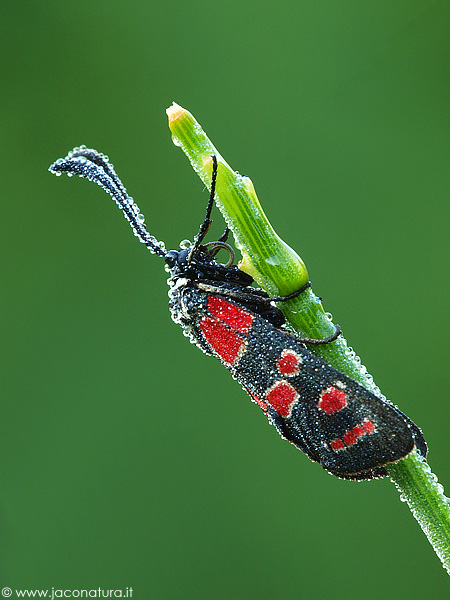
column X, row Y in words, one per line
column 94, row 166
column 207, row 221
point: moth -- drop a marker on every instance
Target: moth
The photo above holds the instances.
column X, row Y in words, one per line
column 337, row 422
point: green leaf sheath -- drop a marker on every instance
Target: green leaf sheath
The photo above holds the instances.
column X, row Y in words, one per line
column 280, row 271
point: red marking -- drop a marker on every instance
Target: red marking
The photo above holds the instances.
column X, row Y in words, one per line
column 281, row 397
column 332, row 400
column 258, row 401
column 235, row 317
column 289, row 363
column 337, row 444
column 352, row 436
column 358, row 431
column 368, row 426
column 349, row 438
column 225, row 342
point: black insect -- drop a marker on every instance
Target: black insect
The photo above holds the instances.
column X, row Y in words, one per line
column 336, row 421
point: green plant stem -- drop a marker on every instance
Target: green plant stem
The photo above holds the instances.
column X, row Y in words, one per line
column 280, row 271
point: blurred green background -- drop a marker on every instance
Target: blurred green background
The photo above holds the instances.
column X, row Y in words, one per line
column 128, row 458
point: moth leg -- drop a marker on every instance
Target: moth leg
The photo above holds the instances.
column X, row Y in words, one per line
column 307, row 285
column 289, row 296
column 327, row 340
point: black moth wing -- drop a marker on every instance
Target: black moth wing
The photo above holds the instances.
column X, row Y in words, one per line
column 383, row 433
column 312, row 429
column 391, row 439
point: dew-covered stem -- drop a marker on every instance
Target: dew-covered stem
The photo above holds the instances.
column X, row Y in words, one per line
column 280, row 271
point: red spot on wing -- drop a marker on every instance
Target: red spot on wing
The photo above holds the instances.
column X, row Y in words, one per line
column 289, row 363
column 348, row 438
column 358, row 431
column 281, row 397
column 368, row 426
column 352, row 436
column 332, row 400
column 225, row 342
column 258, row 401
column 235, row 317
column 337, row 444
